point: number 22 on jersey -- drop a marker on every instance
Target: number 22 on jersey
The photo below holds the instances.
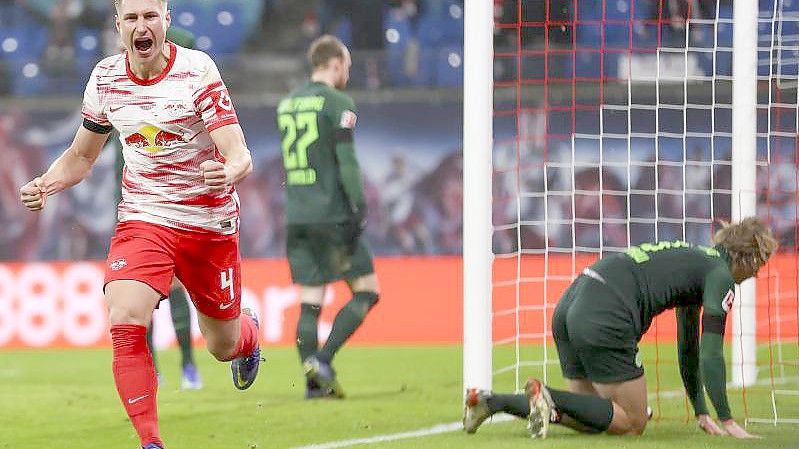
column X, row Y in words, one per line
column 640, row 253
column 300, row 130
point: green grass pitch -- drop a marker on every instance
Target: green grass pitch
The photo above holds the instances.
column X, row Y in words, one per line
column 66, row 400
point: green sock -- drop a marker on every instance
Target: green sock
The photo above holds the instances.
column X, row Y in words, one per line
column 587, row 409
column 514, row 404
column 150, row 344
column 347, row 321
column 181, row 318
column 307, row 334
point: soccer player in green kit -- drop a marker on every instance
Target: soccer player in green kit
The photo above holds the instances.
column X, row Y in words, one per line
column 326, row 209
column 603, row 314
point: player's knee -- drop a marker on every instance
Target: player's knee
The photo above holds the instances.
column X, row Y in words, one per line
column 638, row 425
column 632, row 429
column 122, row 315
column 366, row 283
column 627, row 424
column 313, row 295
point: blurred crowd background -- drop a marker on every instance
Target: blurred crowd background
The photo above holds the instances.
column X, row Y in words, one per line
column 407, row 79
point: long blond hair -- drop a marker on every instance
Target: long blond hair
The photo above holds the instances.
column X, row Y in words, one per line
column 749, row 243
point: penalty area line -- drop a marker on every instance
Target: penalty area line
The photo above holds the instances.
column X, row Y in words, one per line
column 434, row 430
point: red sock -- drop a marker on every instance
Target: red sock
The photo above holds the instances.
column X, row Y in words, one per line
column 136, row 381
column 248, row 340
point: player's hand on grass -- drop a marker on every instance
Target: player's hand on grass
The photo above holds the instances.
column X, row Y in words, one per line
column 707, row 424
column 214, row 175
column 33, row 194
column 737, row 431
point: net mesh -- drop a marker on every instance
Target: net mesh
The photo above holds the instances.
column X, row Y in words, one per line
column 613, row 127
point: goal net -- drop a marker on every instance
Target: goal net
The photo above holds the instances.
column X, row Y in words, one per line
column 613, row 125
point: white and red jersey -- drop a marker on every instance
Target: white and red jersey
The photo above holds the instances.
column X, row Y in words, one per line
column 164, row 125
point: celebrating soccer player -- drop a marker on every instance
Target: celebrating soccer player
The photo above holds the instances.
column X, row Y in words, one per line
column 184, row 151
column 326, row 209
column 600, row 319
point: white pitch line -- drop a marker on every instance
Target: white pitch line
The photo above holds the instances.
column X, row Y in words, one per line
column 455, row 426
column 439, row 428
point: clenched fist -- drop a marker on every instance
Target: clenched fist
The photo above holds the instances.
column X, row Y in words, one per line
column 33, row 194
column 214, row 175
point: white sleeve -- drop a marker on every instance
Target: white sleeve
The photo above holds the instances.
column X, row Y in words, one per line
column 212, row 100
column 93, row 108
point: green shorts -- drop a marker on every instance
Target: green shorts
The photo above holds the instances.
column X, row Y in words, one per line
column 595, row 334
column 321, row 253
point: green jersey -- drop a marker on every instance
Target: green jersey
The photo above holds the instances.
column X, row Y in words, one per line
column 323, row 182
column 653, row 277
column 674, row 274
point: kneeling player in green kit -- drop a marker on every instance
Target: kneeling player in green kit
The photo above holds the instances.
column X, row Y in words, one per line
column 603, row 314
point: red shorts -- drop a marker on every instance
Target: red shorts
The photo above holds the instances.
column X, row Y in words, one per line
column 208, row 264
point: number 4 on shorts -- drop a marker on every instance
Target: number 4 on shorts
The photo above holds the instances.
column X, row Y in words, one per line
column 226, row 281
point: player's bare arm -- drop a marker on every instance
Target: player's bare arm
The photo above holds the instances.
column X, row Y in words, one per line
column 229, row 139
column 69, row 169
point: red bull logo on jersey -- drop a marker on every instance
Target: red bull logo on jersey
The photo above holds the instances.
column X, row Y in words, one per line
column 153, row 139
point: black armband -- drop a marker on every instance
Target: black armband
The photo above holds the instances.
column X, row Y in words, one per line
column 343, row 135
column 96, row 128
column 713, row 323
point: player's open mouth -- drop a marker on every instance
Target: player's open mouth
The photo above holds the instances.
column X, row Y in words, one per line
column 143, row 44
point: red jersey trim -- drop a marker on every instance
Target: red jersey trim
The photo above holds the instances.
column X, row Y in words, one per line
column 228, row 121
column 172, row 57
column 208, row 91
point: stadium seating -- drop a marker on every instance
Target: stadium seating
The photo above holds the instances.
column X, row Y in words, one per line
column 220, row 27
column 449, row 67
column 22, row 49
column 440, row 34
column 18, row 42
column 443, row 25
column 88, row 47
column 723, row 48
column 344, row 31
column 227, row 29
column 589, row 11
column 192, row 17
column 397, row 34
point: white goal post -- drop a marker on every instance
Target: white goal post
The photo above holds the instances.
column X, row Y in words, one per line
column 477, row 225
column 744, row 191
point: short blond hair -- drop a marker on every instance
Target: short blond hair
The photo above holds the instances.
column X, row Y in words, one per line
column 117, row 4
column 323, row 49
column 749, row 243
